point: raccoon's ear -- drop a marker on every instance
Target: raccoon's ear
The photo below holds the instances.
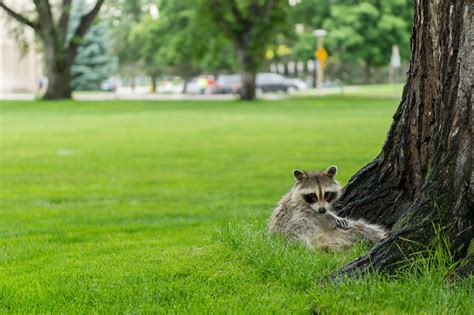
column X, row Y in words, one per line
column 298, row 175
column 331, row 171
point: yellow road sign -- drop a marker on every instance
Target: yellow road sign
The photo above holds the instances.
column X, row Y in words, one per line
column 322, row 55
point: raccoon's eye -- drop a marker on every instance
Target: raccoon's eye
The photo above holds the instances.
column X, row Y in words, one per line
column 310, row 198
column 330, row 196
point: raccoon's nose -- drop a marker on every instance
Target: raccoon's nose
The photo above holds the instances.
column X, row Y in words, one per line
column 322, row 210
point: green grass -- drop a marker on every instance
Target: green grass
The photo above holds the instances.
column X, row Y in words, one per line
column 376, row 90
column 366, row 90
column 145, row 207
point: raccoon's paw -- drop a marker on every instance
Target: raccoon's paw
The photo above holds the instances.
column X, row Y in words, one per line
column 383, row 235
column 342, row 223
column 379, row 234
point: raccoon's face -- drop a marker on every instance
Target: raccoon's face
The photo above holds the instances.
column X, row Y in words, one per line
column 319, row 190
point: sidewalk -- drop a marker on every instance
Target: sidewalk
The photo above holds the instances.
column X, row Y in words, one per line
column 109, row 96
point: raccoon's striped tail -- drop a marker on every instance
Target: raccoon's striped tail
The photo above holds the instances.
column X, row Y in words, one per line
column 372, row 232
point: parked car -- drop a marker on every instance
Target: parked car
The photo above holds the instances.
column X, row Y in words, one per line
column 300, row 84
column 227, row 84
column 265, row 82
column 272, row 82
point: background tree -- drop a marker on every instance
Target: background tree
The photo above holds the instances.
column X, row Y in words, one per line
column 122, row 15
column 147, row 36
column 306, row 16
column 361, row 33
column 310, row 13
column 94, row 61
column 59, row 53
column 366, row 31
column 251, row 25
column 180, row 42
column 423, row 177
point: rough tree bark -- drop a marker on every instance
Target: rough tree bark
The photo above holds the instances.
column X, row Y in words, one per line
column 58, row 70
column 59, row 53
column 423, row 176
column 248, row 72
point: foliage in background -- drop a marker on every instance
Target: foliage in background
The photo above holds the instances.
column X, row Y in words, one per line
column 360, row 33
column 94, row 62
column 366, row 31
column 146, row 37
column 180, row 42
column 251, row 26
column 121, row 16
column 192, row 37
column 206, row 36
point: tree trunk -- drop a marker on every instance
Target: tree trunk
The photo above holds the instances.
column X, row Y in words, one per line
column 153, row 82
column 59, row 54
column 423, row 176
column 59, row 77
column 247, row 91
column 368, row 73
column 248, row 69
column 185, row 85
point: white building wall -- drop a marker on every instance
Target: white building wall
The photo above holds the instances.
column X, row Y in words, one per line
column 18, row 72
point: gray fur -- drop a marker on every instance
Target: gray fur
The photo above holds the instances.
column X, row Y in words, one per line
column 299, row 220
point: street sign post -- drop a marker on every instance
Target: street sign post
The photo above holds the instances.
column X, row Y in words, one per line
column 320, row 54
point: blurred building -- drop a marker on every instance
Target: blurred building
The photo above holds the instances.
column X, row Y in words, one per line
column 19, row 72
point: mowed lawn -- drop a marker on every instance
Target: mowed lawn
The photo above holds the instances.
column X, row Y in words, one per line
column 160, row 207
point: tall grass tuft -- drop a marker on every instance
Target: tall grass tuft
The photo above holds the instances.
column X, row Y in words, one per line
column 435, row 261
column 275, row 257
column 423, row 283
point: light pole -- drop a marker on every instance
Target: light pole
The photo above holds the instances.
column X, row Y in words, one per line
column 321, row 54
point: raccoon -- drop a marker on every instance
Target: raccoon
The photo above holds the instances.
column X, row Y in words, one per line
column 304, row 214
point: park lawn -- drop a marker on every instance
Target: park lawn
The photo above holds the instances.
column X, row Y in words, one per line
column 386, row 91
column 376, row 90
column 145, row 207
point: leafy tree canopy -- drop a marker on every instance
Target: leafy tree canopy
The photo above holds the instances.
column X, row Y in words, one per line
column 357, row 30
column 180, row 41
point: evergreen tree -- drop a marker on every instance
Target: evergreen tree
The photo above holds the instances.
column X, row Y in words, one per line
column 50, row 21
column 94, row 62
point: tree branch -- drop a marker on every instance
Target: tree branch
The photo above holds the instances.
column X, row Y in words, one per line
column 219, row 18
column 20, row 18
column 64, row 19
column 48, row 30
column 84, row 24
